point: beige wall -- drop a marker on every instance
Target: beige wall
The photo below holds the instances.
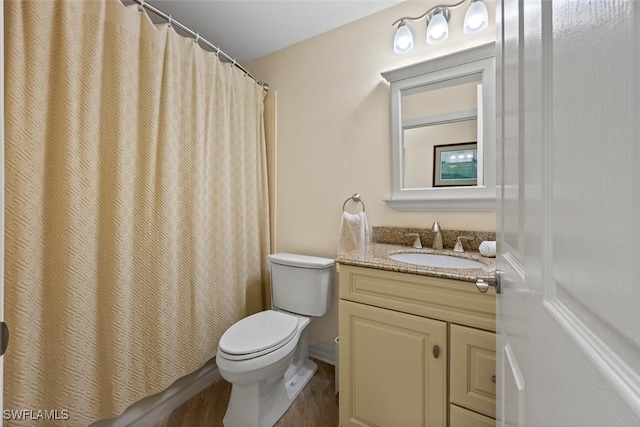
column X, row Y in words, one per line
column 333, row 131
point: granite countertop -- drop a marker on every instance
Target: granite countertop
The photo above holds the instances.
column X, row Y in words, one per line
column 376, row 255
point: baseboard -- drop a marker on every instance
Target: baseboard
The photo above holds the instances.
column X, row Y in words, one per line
column 151, row 409
column 322, row 351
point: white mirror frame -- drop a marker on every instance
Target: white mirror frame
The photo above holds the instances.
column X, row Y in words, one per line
column 478, row 60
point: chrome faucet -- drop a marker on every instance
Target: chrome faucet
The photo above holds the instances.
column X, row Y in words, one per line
column 437, row 238
column 417, row 243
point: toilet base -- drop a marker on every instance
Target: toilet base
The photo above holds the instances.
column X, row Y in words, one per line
column 262, row 404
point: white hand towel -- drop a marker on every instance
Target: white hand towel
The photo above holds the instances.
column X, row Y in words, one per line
column 488, row 249
column 354, row 232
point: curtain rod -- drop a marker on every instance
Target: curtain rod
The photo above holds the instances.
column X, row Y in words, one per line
column 198, row 39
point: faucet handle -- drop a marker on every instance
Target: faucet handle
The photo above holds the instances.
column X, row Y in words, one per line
column 417, row 243
column 458, row 247
column 436, row 227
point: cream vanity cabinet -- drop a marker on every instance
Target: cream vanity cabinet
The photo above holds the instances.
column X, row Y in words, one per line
column 415, row 350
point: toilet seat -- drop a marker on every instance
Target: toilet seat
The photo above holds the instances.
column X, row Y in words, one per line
column 257, row 335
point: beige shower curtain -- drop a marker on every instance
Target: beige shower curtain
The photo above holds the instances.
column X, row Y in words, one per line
column 136, row 206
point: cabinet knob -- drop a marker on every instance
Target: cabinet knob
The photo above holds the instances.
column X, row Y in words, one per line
column 436, row 351
column 493, row 378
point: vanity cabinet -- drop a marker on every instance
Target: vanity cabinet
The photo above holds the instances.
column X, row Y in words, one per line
column 415, row 350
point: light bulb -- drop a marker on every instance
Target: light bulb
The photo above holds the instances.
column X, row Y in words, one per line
column 403, row 40
column 476, row 19
column 437, row 28
column 437, row 31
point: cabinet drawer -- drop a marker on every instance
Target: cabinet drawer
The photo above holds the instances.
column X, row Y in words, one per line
column 461, row 417
column 473, row 369
column 444, row 299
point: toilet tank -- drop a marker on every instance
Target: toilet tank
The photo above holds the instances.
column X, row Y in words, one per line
column 301, row 284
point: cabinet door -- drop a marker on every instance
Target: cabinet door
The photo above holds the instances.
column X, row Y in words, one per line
column 473, row 369
column 461, row 417
column 390, row 374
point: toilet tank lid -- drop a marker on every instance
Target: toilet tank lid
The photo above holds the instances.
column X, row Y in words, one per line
column 296, row 260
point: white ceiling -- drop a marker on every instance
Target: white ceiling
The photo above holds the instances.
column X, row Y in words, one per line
column 249, row 29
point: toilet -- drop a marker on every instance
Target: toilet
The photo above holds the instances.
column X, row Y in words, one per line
column 265, row 356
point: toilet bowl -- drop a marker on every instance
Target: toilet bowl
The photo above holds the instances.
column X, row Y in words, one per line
column 265, row 356
column 265, row 382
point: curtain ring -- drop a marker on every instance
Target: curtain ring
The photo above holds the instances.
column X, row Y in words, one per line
column 170, row 22
column 197, row 39
column 218, row 50
column 141, row 6
column 234, row 62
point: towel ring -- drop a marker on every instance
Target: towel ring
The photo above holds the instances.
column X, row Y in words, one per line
column 355, row 198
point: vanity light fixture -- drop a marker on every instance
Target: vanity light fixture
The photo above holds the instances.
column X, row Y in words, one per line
column 438, row 26
column 475, row 20
column 403, row 40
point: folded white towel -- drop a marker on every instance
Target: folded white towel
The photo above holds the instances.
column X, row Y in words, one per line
column 488, row 249
column 354, row 232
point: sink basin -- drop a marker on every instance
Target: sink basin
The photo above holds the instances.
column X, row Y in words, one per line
column 433, row 260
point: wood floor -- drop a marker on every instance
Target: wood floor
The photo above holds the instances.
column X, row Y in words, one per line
column 316, row 406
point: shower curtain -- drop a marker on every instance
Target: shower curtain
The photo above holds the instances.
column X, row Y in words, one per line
column 136, row 206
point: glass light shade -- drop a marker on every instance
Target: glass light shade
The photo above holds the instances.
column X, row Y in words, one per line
column 437, row 29
column 476, row 19
column 403, row 40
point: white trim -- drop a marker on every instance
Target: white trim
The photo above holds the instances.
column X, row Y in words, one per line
column 515, row 264
column 454, row 59
column 477, row 61
column 151, row 409
column 323, row 352
column 515, row 373
column 624, row 379
column 486, row 201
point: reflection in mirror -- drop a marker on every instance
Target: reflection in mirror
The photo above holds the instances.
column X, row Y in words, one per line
column 437, row 115
column 421, row 162
column 443, row 152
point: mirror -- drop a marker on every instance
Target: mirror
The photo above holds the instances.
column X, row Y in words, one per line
column 443, row 124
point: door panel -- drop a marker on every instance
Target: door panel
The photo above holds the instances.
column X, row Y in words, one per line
column 598, row 137
column 512, row 168
column 510, row 215
column 567, row 327
column 593, row 293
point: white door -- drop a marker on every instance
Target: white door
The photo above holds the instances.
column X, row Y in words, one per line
column 569, row 212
